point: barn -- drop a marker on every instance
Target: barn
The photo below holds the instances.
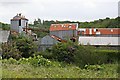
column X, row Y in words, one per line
column 64, row 31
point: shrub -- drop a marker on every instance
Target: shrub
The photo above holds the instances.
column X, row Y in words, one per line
column 9, row 50
column 26, row 47
column 10, row 61
column 86, row 55
column 63, row 52
column 81, row 55
column 94, row 67
column 35, row 61
column 112, row 55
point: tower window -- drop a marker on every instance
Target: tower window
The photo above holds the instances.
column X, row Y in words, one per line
column 26, row 23
column 20, row 22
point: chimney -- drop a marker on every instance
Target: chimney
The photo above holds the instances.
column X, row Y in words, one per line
column 19, row 14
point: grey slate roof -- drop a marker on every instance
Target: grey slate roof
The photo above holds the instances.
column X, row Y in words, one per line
column 4, row 35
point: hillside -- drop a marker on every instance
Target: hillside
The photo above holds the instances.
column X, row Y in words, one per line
column 102, row 23
column 4, row 26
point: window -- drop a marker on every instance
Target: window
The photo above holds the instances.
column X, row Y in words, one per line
column 20, row 22
column 26, row 23
column 96, row 29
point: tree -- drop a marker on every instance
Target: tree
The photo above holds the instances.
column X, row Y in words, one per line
column 10, row 50
column 25, row 46
column 39, row 20
column 5, row 26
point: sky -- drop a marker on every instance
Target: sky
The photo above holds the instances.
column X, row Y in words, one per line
column 73, row 10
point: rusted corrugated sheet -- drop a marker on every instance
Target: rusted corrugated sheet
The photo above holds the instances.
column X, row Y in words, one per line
column 58, row 27
column 100, row 31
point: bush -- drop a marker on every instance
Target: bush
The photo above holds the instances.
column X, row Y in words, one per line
column 26, row 46
column 86, row 55
column 35, row 61
column 63, row 52
column 81, row 55
column 10, row 61
column 19, row 47
column 112, row 55
column 9, row 50
column 94, row 67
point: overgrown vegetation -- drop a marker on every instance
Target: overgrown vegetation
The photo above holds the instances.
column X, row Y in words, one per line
column 80, row 55
column 69, row 59
column 63, row 60
column 39, row 67
column 4, row 26
column 20, row 46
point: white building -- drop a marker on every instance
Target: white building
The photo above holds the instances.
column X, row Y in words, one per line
column 99, row 36
column 18, row 23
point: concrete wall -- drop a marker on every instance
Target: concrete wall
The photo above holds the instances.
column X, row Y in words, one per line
column 4, row 35
column 113, row 41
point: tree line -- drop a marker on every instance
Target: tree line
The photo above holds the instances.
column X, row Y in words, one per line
column 101, row 23
column 4, row 26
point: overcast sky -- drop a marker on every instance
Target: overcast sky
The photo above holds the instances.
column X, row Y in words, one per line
column 74, row 10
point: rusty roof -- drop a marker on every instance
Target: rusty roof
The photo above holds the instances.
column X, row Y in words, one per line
column 58, row 27
column 103, row 31
column 57, row 38
column 109, row 31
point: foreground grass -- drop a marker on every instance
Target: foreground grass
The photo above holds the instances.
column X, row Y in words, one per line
column 29, row 71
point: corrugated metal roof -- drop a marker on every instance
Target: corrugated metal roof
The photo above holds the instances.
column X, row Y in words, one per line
column 109, row 31
column 58, row 39
column 101, row 31
column 57, row 27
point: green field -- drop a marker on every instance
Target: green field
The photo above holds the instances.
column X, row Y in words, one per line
column 11, row 70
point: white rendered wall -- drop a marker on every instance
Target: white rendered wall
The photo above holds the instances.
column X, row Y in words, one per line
column 15, row 25
column 99, row 40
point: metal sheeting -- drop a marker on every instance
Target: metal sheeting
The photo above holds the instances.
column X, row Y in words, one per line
column 4, row 35
column 64, row 34
column 113, row 41
column 47, row 40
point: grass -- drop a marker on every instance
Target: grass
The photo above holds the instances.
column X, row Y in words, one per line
column 29, row 71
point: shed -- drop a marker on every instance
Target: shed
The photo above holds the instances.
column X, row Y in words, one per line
column 47, row 42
